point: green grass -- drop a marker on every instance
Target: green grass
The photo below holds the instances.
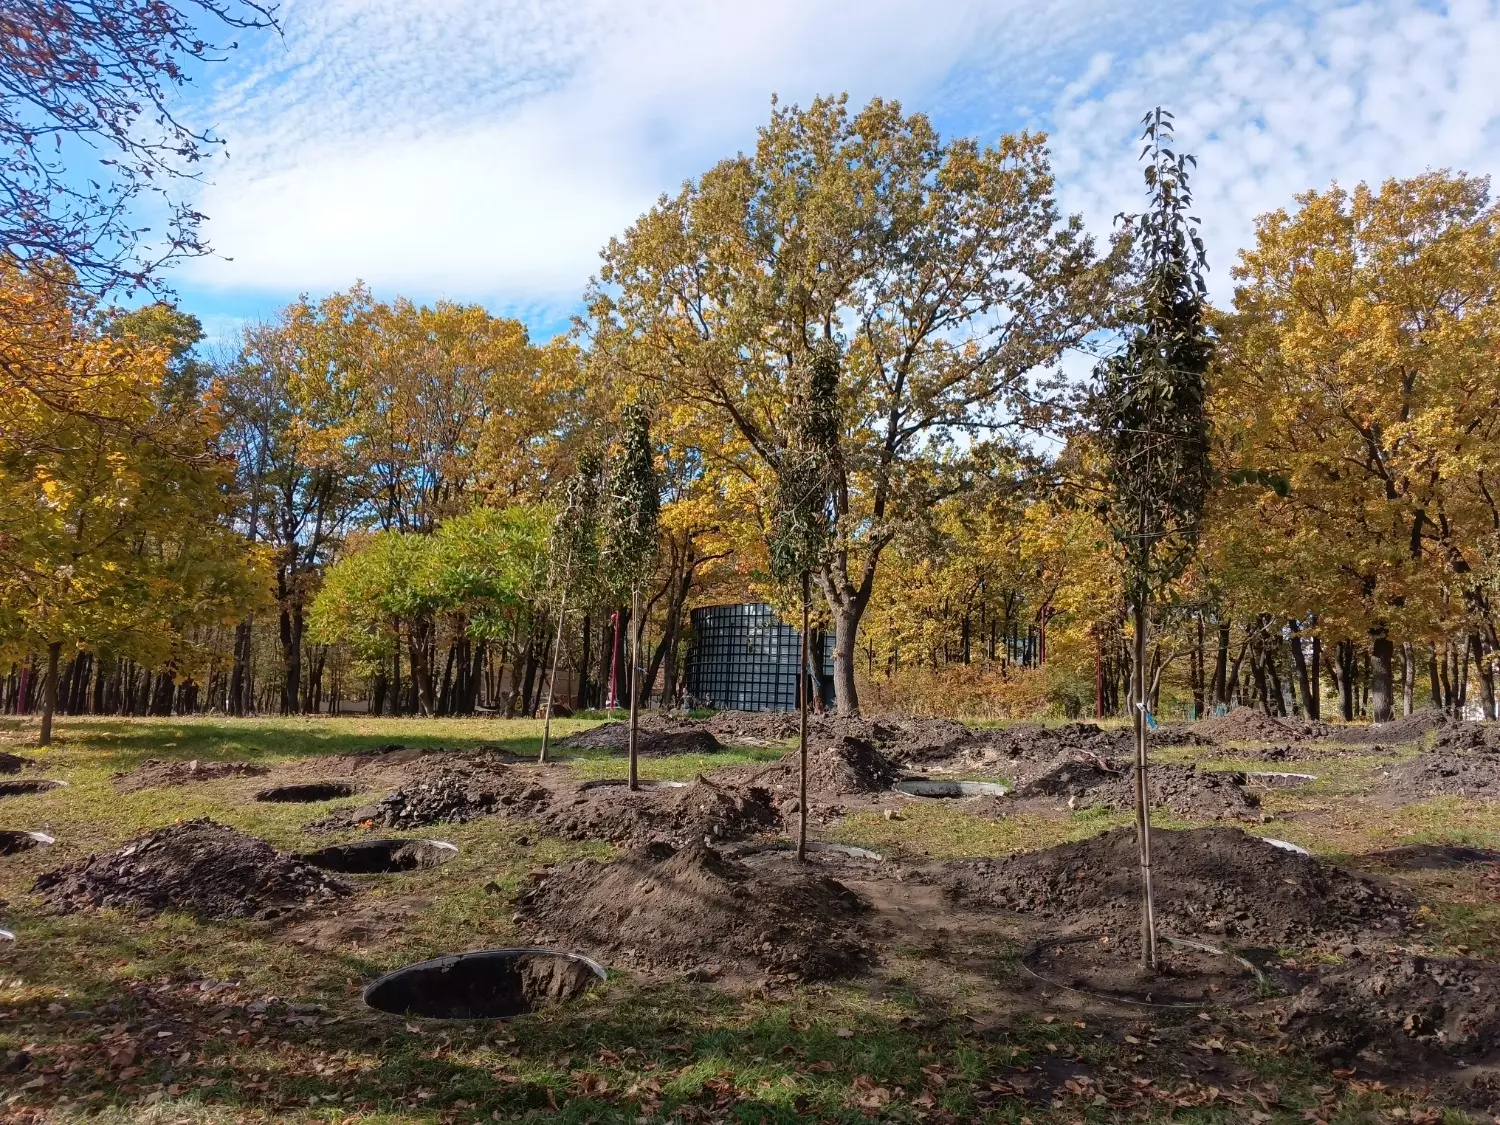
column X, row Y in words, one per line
column 929, row 1038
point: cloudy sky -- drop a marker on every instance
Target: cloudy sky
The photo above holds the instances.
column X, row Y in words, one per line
column 484, row 150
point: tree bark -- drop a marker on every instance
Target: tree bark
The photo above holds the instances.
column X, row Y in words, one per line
column 1299, row 662
column 635, row 658
column 49, row 695
column 802, row 685
column 1382, row 700
column 1486, row 675
column 1408, row 677
column 1143, row 789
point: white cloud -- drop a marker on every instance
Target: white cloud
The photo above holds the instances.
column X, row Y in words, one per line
column 1289, row 102
column 489, row 149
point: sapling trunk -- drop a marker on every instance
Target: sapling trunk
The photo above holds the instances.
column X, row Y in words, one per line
column 634, row 669
column 1143, row 792
column 562, row 613
column 802, row 729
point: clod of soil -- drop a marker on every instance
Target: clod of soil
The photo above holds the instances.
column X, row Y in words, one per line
column 1109, row 965
column 23, row 788
column 447, row 790
column 836, row 768
column 14, row 842
column 198, row 867
column 1416, row 1013
column 1245, row 724
column 705, row 810
column 1442, row 773
column 653, row 740
column 1208, row 881
column 155, row 774
column 1092, row 781
column 488, row 984
column 379, row 857
column 698, row 910
column 306, row 794
column 13, row 763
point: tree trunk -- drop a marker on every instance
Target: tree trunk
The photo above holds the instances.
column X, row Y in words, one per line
column 802, row 691
column 580, row 697
column 1435, row 685
column 1345, row 667
column 635, row 659
column 1315, row 700
column 1408, row 677
column 1220, row 694
column 1304, row 682
column 1382, row 699
column 49, row 696
column 1143, row 789
column 562, row 616
column 291, row 656
column 1486, row 675
column 239, row 688
column 845, row 631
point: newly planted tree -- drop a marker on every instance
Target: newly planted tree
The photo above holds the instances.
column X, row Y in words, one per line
column 630, row 541
column 576, row 542
column 801, row 519
column 1154, row 433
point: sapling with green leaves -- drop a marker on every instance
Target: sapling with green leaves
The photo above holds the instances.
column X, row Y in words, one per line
column 1154, row 432
column 801, row 522
column 634, row 507
column 575, row 542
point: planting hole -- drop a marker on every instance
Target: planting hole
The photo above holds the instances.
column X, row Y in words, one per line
column 491, row 984
column 379, row 857
column 931, row 787
column 21, row 788
column 12, row 842
column 302, row 794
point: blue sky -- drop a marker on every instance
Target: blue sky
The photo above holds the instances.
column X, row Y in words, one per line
column 484, row 150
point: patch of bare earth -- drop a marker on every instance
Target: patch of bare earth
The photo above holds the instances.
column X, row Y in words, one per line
column 1086, row 780
column 156, row 774
column 704, row 810
column 1441, row 773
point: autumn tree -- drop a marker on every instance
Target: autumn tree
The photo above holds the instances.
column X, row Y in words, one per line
column 943, row 267
column 90, row 131
column 1154, row 432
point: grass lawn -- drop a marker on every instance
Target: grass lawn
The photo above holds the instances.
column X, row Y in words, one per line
column 111, row 1017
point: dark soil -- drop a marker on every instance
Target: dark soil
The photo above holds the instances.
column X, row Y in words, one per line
column 374, row 857
column 197, row 867
column 1218, row 882
column 13, row 763
column 1032, row 743
column 696, row 910
column 1175, row 734
column 156, row 774
column 447, row 790
column 911, row 739
column 12, row 842
column 1412, row 1015
column 704, row 810
column 490, row 984
column 306, row 794
column 1092, row 781
column 1442, row 773
column 1311, row 753
column 25, row 788
column 1408, row 728
column 1109, row 965
column 1245, row 724
column 1479, row 737
column 1431, row 857
column 836, row 768
column 657, row 738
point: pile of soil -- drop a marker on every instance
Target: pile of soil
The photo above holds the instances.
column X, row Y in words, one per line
column 1483, row 738
column 757, row 728
column 1443, row 773
column 198, row 867
column 1307, row 753
column 844, row 766
column 703, row 810
column 1177, row 734
column 13, row 763
column 697, row 910
column 156, row 774
column 1408, row 728
column 1246, row 724
column 1032, row 743
column 1093, row 781
column 449, row 790
column 1398, row 1009
column 1208, row 881
column 657, row 738
column 911, row 738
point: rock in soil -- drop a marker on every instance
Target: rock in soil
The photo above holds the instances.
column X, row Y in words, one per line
column 836, row 768
column 198, row 867
column 1442, row 773
column 1411, row 1015
column 13, row 763
column 1218, row 882
column 1245, row 724
column 1091, row 781
column 656, row 738
column 446, row 790
column 156, row 774
column 696, row 910
column 703, row 810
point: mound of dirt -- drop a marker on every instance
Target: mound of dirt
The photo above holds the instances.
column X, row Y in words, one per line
column 1012, row 748
column 1408, row 728
column 1483, row 738
column 156, row 774
column 1214, row 881
column 654, row 739
column 697, row 910
column 703, row 810
column 757, row 728
column 1309, row 753
column 198, row 867
column 1177, row 734
column 450, row 790
column 1245, row 724
column 13, row 763
column 1443, row 773
column 908, row 738
column 1398, row 1009
column 1093, row 781
column 838, row 768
